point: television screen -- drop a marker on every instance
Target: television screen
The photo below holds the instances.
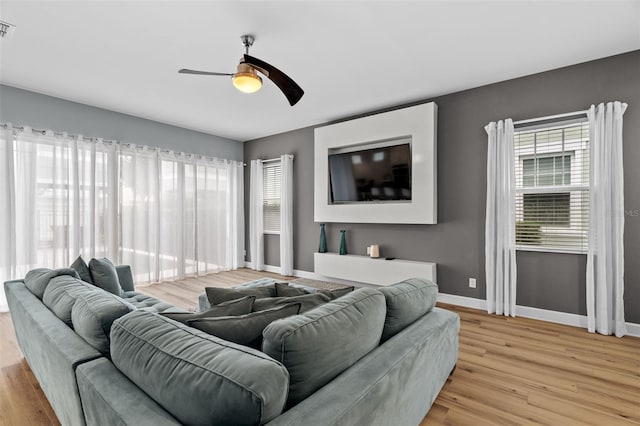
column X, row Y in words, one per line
column 372, row 174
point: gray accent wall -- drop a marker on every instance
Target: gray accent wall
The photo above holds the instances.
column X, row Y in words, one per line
column 22, row 107
column 545, row 280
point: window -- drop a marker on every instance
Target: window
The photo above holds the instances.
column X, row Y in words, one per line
column 271, row 197
column 552, row 186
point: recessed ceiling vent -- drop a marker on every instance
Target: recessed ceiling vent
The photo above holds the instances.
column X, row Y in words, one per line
column 6, row 29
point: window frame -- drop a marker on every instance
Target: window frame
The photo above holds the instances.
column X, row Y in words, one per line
column 571, row 188
column 265, row 166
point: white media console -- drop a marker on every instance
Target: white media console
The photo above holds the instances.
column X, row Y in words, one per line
column 369, row 270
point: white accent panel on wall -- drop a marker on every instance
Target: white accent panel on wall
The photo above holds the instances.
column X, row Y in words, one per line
column 368, row 270
column 419, row 123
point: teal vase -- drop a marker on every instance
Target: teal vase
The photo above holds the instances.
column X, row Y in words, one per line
column 343, row 242
column 323, row 240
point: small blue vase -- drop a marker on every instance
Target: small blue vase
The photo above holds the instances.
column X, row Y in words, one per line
column 343, row 242
column 323, row 240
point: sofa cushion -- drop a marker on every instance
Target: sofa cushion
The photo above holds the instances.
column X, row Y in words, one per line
column 37, row 280
column 80, row 266
column 231, row 308
column 228, row 383
column 407, row 301
column 218, row 295
column 244, row 329
column 146, row 303
column 320, row 344
column 306, row 301
column 61, row 294
column 93, row 314
column 338, row 292
column 105, row 276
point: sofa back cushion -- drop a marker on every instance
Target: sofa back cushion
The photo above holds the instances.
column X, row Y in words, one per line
column 105, row 275
column 407, row 301
column 37, row 280
column 61, row 294
column 322, row 343
column 198, row 378
column 93, row 314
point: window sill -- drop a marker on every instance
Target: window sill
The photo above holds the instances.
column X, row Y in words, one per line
column 550, row 250
column 271, row 232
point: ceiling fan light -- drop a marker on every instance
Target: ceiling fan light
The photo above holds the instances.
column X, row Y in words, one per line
column 246, row 79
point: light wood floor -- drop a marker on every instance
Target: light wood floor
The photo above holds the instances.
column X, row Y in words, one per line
column 510, row 370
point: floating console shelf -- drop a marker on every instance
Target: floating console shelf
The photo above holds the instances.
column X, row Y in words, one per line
column 369, row 270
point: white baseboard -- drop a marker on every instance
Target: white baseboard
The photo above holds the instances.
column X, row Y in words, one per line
column 574, row 320
column 565, row 318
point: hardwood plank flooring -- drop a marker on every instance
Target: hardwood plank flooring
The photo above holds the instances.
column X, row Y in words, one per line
column 511, row 371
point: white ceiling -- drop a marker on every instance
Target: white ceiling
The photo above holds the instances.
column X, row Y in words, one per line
column 349, row 57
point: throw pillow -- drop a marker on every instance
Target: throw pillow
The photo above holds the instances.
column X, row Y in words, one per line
column 307, row 302
column 82, row 269
column 338, row 292
column 105, row 276
column 218, row 295
column 406, row 302
column 284, row 290
column 227, row 309
column 245, row 329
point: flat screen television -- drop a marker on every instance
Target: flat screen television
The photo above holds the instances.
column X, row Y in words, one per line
column 374, row 174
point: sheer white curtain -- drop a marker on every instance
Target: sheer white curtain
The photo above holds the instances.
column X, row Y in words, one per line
column 605, row 258
column 256, row 218
column 500, row 240
column 286, row 215
column 168, row 215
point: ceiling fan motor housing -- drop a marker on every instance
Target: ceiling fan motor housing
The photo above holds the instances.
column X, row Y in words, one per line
column 247, row 79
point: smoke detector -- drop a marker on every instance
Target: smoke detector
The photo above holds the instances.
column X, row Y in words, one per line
column 6, row 29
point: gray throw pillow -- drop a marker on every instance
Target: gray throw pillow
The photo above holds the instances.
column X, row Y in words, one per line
column 338, row 292
column 80, row 266
column 93, row 314
column 105, row 276
column 246, row 329
column 284, row 290
column 37, row 280
column 307, row 302
column 407, row 301
column 319, row 345
column 227, row 309
column 218, row 295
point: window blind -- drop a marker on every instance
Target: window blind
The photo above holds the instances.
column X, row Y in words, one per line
column 272, row 173
column 552, row 186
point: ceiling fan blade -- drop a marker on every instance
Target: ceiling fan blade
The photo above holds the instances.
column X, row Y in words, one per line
column 290, row 88
column 186, row 71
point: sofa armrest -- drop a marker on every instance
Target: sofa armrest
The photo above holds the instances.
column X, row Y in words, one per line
column 125, row 277
column 110, row 398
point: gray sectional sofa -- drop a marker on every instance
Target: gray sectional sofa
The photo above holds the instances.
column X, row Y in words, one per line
column 119, row 362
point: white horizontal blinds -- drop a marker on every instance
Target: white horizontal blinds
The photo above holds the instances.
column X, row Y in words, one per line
column 272, row 172
column 552, row 186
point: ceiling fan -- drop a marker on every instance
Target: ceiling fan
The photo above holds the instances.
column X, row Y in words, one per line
column 247, row 80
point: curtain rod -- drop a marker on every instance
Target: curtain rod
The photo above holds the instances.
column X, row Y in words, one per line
column 550, row 117
column 113, row 142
